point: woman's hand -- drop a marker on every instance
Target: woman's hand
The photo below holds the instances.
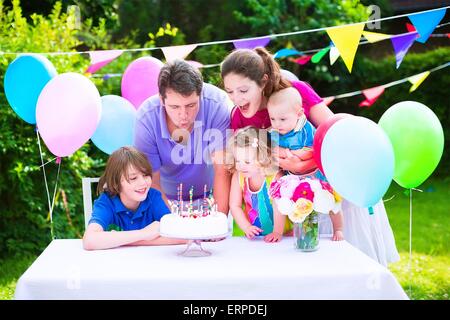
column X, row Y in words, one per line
column 296, row 165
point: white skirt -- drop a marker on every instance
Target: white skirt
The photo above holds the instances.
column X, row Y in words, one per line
column 370, row 233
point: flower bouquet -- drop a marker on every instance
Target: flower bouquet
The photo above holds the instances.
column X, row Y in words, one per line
column 301, row 199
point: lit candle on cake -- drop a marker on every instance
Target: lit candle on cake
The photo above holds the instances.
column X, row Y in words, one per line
column 180, row 199
column 191, row 194
column 205, row 203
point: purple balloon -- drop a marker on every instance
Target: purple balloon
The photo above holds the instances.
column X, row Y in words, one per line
column 67, row 113
column 140, row 80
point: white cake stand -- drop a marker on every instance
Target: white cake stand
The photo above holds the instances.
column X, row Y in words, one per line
column 194, row 245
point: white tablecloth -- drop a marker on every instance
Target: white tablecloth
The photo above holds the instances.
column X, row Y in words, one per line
column 237, row 269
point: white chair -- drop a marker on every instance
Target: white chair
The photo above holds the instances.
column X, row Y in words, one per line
column 87, row 198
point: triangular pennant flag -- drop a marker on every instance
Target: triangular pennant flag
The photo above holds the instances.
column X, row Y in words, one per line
column 334, row 54
column 328, row 100
column 177, row 52
column 101, row 58
column 426, row 22
column 319, row 55
column 417, row 80
column 346, row 39
column 251, row 43
column 371, row 95
column 286, row 53
column 410, row 27
column 303, row 60
column 196, row 64
column 401, row 45
column 375, row 37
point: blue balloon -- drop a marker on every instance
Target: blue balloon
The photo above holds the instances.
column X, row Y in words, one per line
column 358, row 160
column 116, row 126
column 24, row 80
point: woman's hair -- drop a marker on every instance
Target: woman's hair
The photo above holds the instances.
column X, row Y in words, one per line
column 118, row 165
column 254, row 64
column 252, row 137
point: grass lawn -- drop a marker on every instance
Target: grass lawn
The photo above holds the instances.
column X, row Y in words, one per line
column 430, row 277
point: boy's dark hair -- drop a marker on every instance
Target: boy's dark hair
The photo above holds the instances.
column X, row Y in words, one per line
column 181, row 77
column 117, row 166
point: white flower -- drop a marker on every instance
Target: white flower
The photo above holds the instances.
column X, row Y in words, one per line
column 285, row 206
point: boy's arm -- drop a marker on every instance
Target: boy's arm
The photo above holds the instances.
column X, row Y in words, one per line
column 95, row 238
column 159, row 241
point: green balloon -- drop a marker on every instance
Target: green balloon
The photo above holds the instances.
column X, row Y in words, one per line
column 418, row 141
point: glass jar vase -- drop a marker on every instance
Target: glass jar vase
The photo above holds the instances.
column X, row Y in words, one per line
column 306, row 233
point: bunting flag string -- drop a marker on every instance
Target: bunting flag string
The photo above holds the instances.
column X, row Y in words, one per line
column 416, row 80
column 414, row 17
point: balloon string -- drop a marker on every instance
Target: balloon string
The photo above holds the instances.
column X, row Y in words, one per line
column 54, row 193
column 410, row 242
column 46, row 184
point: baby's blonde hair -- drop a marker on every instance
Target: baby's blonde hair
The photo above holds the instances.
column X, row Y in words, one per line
column 252, row 137
column 287, row 96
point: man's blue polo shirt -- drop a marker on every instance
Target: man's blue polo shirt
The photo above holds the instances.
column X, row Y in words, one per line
column 110, row 212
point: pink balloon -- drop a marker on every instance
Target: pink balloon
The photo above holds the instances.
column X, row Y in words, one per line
column 140, row 80
column 320, row 134
column 67, row 113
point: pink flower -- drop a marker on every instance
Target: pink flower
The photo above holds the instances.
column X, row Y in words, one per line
column 274, row 190
column 326, row 186
column 303, row 190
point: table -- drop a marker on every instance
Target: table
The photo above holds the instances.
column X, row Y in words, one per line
column 237, row 269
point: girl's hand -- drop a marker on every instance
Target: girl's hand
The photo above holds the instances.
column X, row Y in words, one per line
column 273, row 237
column 338, row 236
column 252, row 231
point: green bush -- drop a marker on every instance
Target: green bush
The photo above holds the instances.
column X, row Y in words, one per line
column 24, row 215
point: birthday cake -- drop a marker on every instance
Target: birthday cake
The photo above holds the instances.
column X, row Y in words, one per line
column 188, row 222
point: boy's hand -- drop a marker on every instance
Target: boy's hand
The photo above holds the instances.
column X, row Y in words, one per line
column 151, row 231
column 273, row 237
column 252, row 231
column 338, row 236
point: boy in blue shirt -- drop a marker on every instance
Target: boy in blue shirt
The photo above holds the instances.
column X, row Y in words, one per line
column 128, row 203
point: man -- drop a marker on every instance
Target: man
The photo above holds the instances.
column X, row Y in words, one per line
column 183, row 133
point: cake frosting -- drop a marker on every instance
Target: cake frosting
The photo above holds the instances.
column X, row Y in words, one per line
column 195, row 224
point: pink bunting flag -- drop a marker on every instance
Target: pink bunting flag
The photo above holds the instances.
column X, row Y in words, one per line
column 328, row 100
column 101, row 58
column 371, row 95
column 178, row 52
column 251, row 43
column 303, row 60
column 401, row 45
column 410, row 27
column 196, row 64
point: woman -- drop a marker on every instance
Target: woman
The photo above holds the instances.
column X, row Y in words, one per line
column 249, row 78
